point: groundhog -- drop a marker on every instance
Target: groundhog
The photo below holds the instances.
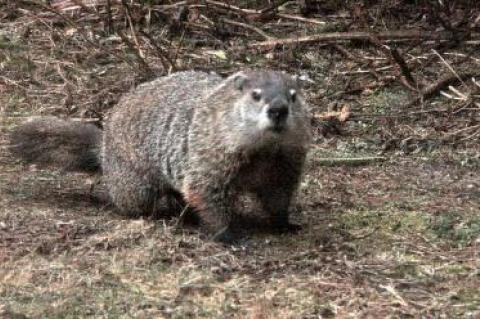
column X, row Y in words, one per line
column 190, row 134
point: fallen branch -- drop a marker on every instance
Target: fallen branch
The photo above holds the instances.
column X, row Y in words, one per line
column 249, row 27
column 402, row 68
column 181, row 218
column 465, row 129
column 138, row 48
column 301, row 19
column 232, row 8
column 273, row 6
column 267, row 12
column 348, row 36
column 434, row 88
column 137, row 53
column 357, row 59
column 348, row 161
column 447, row 65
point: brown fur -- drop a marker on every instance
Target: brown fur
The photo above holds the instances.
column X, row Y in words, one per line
column 50, row 141
column 207, row 138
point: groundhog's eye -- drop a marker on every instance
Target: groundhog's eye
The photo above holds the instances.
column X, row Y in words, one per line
column 257, row 95
column 293, row 95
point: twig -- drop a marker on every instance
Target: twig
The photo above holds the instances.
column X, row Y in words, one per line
column 348, row 161
column 346, row 36
column 80, row 4
column 167, row 63
column 272, row 7
column 465, row 129
column 391, row 290
column 471, row 136
column 250, row 27
column 170, row 6
column 406, row 74
column 432, row 89
column 365, row 236
column 382, row 69
column 394, row 56
column 448, row 65
column 347, row 53
column 177, row 49
column 140, row 59
column 109, row 17
column 302, row 19
column 128, row 13
column 460, row 95
column 361, row 87
column 181, row 217
column 232, row 7
column 245, row 12
column 475, row 82
column 14, row 83
column 357, row 59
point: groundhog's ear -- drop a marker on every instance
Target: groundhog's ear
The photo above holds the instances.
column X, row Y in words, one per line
column 239, row 80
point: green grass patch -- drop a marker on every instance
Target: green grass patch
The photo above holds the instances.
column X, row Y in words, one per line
column 456, row 228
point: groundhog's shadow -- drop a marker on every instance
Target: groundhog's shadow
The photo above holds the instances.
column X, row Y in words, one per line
column 249, row 219
column 248, row 222
column 171, row 208
column 68, row 199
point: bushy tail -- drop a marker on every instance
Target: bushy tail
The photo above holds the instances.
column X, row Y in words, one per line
column 50, row 141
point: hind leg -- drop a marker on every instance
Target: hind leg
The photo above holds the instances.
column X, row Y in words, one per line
column 132, row 196
column 132, row 193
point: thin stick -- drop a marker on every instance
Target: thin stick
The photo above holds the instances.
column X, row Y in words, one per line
column 128, row 13
column 146, row 68
column 465, row 129
column 444, row 81
column 302, row 19
column 109, row 17
column 167, row 63
column 448, row 65
column 273, row 6
column 231, row 7
column 347, row 161
column 345, row 36
column 181, row 217
column 250, row 27
column 394, row 56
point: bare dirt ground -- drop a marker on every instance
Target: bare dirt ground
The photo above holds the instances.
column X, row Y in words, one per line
column 397, row 238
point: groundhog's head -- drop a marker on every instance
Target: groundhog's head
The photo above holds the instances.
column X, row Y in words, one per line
column 269, row 109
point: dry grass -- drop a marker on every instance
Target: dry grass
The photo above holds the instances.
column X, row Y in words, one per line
column 395, row 239
column 406, row 247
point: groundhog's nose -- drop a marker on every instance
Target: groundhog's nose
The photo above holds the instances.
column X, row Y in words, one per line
column 278, row 111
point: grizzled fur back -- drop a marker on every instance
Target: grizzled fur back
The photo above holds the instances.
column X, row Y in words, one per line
column 50, row 141
column 150, row 127
column 209, row 139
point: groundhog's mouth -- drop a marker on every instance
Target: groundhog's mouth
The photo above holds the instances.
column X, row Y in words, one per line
column 277, row 128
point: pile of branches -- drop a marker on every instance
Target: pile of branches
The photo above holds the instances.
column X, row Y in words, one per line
column 78, row 56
